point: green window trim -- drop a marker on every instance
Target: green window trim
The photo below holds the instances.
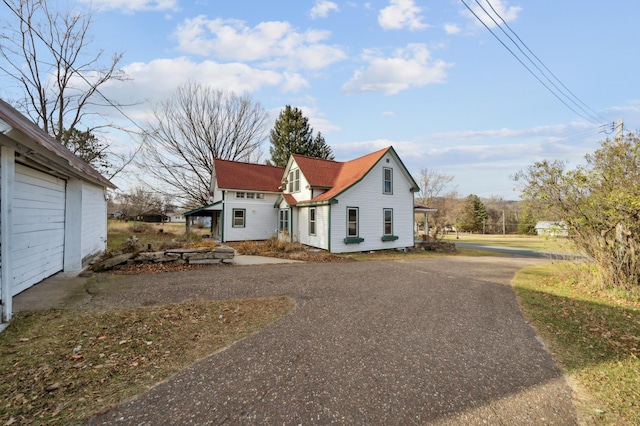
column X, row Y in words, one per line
column 389, row 238
column 242, row 217
column 353, row 240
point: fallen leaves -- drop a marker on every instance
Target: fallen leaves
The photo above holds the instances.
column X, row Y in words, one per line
column 60, row 366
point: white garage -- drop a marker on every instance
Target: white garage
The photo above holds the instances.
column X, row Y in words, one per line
column 53, row 213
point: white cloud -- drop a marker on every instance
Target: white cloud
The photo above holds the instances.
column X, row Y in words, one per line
column 131, row 6
column 451, row 28
column 274, row 43
column 409, row 67
column 401, row 14
column 508, row 13
column 322, row 9
column 160, row 77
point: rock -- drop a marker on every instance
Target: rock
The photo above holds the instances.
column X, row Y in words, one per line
column 149, row 256
column 113, row 261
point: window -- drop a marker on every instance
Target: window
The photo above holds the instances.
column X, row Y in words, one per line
column 250, row 195
column 283, row 220
column 312, row 221
column 388, row 222
column 352, row 222
column 294, row 180
column 239, row 218
column 388, row 180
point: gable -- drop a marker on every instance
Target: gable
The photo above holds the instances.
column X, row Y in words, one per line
column 338, row 177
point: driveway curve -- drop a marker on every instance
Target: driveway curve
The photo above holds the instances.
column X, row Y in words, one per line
column 433, row 341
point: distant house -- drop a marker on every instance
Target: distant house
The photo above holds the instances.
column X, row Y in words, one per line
column 53, row 207
column 153, row 216
column 552, row 228
column 358, row 205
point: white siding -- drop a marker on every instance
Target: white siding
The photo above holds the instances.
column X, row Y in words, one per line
column 38, row 227
column 368, row 196
column 321, row 238
column 260, row 217
column 94, row 220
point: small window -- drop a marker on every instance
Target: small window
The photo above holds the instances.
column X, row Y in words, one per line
column 240, row 194
column 239, row 218
column 251, row 195
column 388, row 221
column 388, row 180
column 259, row 196
column 352, row 222
column 312, row 221
column 283, row 220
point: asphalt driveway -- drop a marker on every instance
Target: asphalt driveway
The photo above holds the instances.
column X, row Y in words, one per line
column 411, row 342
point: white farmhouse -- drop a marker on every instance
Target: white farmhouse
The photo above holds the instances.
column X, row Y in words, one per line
column 358, row 205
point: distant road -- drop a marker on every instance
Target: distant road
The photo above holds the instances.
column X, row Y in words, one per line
column 521, row 252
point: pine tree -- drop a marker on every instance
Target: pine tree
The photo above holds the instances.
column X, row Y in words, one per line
column 292, row 134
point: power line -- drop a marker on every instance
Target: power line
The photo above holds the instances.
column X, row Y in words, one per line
column 585, row 116
column 595, row 114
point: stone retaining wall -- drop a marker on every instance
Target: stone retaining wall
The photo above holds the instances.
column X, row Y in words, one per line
column 193, row 256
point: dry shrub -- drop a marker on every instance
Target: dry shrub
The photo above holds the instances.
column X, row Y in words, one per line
column 249, row 247
column 278, row 245
column 140, row 227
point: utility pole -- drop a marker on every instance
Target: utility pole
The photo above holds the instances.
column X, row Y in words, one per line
column 504, row 227
column 619, row 128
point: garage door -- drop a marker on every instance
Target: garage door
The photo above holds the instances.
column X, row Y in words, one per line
column 38, row 226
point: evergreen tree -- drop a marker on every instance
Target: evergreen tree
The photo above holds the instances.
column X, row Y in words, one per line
column 473, row 215
column 292, row 134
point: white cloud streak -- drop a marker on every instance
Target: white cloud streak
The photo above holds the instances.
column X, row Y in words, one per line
column 273, row 43
column 322, row 9
column 408, row 67
column 401, row 14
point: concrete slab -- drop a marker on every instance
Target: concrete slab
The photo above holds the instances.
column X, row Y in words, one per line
column 54, row 291
column 243, row 260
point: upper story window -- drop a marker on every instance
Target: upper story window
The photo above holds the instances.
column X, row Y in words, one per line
column 387, row 187
column 250, row 195
column 294, row 180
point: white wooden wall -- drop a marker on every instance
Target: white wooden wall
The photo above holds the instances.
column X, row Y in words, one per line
column 261, row 217
column 94, row 220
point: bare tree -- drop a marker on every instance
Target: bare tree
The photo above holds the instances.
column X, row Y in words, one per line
column 437, row 191
column 194, row 126
column 433, row 184
column 47, row 54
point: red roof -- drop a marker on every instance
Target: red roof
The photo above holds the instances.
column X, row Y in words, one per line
column 335, row 175
column 247, row 176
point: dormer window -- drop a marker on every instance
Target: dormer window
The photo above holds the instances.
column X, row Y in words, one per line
column 294, row 180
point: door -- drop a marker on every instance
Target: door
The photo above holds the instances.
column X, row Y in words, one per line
column 38, row 226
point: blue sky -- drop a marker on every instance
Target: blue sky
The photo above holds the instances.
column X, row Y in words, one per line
column 423, row 76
